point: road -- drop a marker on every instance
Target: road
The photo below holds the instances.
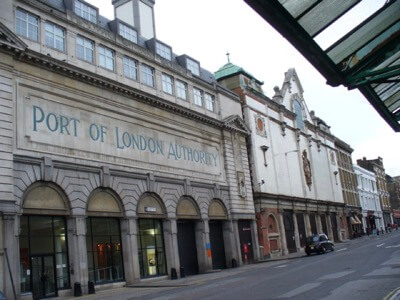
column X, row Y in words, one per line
column 368, row 268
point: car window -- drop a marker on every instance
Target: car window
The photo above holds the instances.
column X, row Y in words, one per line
column 322, row 238
column 312, row 239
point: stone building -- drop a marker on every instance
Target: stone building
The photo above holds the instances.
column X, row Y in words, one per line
column 349, row 190
column 376, row 166
column 372, row 216
column 293, row 163
column 393, row 185
column 120, row 160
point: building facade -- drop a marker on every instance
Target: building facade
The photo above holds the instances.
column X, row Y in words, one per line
column 393, row 185
column 348, row 179
column 293, row 163
column 372, row 215
column 376, row 166
column 120, row 160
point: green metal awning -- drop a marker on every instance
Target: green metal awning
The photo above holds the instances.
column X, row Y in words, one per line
column 367, row 58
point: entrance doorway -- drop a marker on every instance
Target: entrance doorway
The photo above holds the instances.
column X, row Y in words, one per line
column 43, row 277
column 289, row 230
column 324, row 226
column 187, row 247
column 217, row 245
column 302, row 229
column 246, row 245
column 313, row 224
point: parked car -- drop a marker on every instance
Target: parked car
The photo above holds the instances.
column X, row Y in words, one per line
column 318, row 243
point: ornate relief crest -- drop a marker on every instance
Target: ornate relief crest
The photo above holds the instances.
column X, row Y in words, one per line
column 260, row 125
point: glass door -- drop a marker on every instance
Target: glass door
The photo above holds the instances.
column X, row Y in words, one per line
column 43, row 277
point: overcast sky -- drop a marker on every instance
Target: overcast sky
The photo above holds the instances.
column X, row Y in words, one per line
column 207, row 29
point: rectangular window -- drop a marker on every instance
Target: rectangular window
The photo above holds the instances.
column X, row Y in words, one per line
column 209, row 101
column 55, row 36
column 106, row 58
column 167, row 84
column 128, row 33
column 27, row 25
column 84, row 49
column 193, row 66
column 85, row 11
column 181, row 89
column 198, row 97
column 147, row 75
column 130, row 68
column 163, row 51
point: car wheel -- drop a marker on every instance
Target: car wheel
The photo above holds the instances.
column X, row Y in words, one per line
column 323, row 249
column 332, row 249
column 308, row 253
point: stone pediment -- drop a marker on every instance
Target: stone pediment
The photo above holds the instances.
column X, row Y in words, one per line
column 10, row 39
column 236, row 123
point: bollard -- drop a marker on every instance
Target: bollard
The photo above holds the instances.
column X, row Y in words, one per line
column 91, row 289
column 174, row 275
column 77, row 289
column 234, row 263
column 182, row 271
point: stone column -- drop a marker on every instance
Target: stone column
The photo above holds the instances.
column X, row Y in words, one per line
column 254, row 240
column 339, row 227
column 283, row 234
column 307, row 223
column 318, row 221
column 77, row 251
column 10, row 233
column 296, row 232
column 129, row 234
column 202, row 233
column 329, row 225
column 229, row 243
column 171, row 245
column 237, row 243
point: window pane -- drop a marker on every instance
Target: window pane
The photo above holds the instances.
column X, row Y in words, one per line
column 41, row 226
column 42, row 245
column 62, row 271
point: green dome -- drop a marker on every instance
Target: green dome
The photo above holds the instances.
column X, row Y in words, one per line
column 229, row 70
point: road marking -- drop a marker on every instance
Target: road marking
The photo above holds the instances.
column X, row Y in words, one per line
column 336, row 275
column 304, row 288
column 380, row 245
column 393, row 246
column 343, row 249
column 281, row 266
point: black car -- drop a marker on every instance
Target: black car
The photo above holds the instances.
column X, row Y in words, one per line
column 318, row 243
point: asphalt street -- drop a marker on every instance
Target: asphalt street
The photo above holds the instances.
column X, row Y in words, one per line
column 367, row 268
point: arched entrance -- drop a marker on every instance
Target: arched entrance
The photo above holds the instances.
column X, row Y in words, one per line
column 187, row 213
column 103, row 237
column 217, row 215
column 273, row 233
column 43, row 241
column 151, row 213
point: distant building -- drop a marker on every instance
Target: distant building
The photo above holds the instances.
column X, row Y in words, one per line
column 393, row 185
column 293, row 163
column 349, row 189
column 119, row 160
column 372, row 216
column 376, row 166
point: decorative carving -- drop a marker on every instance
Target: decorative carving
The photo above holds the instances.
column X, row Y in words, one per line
column 307, row 169
column 319, row 145
column 283, row 128
column 278, row 98
column 297, row 132
column 309, row 139
column 242, row 185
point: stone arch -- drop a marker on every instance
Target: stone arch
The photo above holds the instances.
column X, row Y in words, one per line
column 272, row 224
column 150, row 205
column 104, row 203
column 217, row 210
column 45, row 198
column 187, row 208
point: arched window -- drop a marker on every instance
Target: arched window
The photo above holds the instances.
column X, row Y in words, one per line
column 299, row 114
